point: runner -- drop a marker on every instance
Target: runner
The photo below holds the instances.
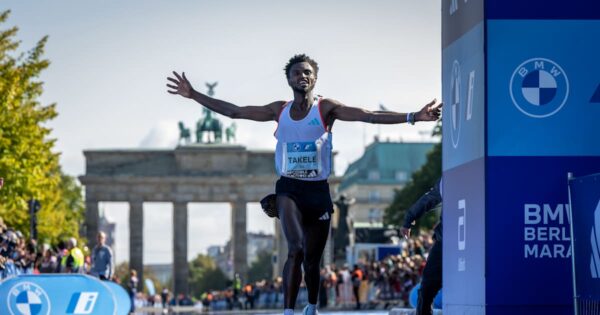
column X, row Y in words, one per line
column 303, row 160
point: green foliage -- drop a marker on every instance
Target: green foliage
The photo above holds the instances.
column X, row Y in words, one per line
column 420, row 182
column 262, row 268
column 205, row 276
column 27, row 163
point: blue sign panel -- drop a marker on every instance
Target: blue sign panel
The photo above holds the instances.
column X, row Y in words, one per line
column 585, row 203
column 542, row 76
column 541, row 9
column 464, row 238
column 463, row 88
column 59, row 294
column 527, row 232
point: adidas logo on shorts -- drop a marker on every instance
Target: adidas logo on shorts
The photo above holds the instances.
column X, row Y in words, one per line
column 325, row 217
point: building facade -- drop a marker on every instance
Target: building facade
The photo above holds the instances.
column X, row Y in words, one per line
column 372, row 179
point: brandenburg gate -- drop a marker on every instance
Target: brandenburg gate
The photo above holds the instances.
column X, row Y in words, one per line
column 190, row 173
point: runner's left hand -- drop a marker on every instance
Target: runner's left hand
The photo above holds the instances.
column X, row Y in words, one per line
column 431, row 112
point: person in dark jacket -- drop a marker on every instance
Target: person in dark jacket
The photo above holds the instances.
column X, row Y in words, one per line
column 431, row 281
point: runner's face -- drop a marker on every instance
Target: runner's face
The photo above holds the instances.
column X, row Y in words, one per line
column 301, row 77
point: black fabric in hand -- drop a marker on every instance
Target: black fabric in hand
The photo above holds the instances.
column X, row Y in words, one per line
column 268, row 206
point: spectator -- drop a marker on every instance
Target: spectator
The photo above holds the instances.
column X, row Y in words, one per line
column 48, row 262
column 102, row 265
column 357, row 276
column 249, row 294
column 164, row 295
column 132, row 288
column 73, row 261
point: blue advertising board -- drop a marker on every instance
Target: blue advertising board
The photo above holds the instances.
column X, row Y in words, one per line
column 511, row 135
column 464, row 238
column 527, row 229
column 61, row 294
column 463, row 88
column 542, row 76
column 585, row 209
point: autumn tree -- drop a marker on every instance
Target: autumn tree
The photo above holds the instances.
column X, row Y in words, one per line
column 28, row 164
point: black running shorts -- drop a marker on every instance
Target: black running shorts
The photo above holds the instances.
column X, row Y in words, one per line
column 311, row 197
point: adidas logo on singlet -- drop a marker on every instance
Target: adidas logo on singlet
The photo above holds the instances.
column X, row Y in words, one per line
column 325, row 217
column 314, row 122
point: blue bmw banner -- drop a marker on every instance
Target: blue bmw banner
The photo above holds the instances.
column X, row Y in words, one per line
column 61, row 294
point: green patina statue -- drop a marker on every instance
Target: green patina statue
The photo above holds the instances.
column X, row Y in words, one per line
column 210, row 125
column 209, row 129
column 184, row 133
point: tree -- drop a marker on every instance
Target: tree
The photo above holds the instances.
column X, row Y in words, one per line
column 261, row 268
column 27, row 163
column 205, row 276
column 421, row 181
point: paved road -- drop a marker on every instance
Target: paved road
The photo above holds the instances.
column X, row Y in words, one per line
column 298, row 312
column 336, row 313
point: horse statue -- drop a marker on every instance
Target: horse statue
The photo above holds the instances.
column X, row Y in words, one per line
column 184, row 133
column 211, row 88
column 211, row 125
column 230, row 132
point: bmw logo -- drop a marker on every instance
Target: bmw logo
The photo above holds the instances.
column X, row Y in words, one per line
column 539, row 87
column 26, row 298
column 455, row 103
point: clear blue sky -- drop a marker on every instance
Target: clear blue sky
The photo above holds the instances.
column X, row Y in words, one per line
column 109, row 62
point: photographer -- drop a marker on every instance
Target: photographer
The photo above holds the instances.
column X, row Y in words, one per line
column 8, row 254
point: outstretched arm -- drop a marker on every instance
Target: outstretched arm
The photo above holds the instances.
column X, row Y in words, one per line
column 180, row 85
column 429, row 112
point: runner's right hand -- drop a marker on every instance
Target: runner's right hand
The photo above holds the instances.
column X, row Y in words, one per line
column 182, row 85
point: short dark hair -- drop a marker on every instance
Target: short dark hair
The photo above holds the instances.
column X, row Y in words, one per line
column 298, row 59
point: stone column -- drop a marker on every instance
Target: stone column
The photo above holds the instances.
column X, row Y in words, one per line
column 239, row 240
column 136, row 239
column 180, row 247
column 92, row 220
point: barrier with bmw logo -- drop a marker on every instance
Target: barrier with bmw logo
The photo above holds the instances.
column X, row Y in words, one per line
column 584, row 199
column 61, row 294
column 519, row 84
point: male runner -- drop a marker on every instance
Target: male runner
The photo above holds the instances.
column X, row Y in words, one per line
column 303, row 160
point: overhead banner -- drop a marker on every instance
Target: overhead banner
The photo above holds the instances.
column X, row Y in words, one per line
column 61, row 294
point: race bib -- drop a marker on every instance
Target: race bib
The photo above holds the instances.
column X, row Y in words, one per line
column 301, row 159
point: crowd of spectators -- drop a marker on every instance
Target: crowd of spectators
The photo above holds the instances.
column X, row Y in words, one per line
column 370, row 284
column 19, row 255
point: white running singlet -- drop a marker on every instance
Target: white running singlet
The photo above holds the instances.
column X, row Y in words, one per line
column 303, row 146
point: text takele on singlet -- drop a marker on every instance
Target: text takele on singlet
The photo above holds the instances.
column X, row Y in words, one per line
column 303, row 146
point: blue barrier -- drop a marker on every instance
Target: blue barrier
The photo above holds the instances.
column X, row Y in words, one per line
column 584, row 198
column 414, row 295
column 61, row 294
column 121, row 296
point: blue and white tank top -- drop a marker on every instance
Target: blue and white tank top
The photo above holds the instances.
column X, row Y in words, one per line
column 303, row 146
